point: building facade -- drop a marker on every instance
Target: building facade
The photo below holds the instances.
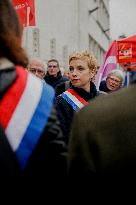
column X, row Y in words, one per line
column 64, row 26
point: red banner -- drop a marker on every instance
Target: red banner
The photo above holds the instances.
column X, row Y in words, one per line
column 26, row 11
column 122, row 52
column 126, row 52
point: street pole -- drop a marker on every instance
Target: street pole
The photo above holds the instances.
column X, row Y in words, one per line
column 27, row 25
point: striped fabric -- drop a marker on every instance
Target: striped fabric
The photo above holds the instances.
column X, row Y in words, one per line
column 24, row 112
column 74, row 99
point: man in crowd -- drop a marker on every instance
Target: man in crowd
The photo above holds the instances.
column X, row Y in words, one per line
column 54, row 76
column 37, row 67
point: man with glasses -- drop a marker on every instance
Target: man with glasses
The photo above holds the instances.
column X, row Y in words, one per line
column 54, row 76
column 113, row 82
column 36, row 66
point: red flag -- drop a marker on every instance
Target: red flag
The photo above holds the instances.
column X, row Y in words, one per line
column 109, row 63
column 126, row 52
column 26, row 11
column 122, row 52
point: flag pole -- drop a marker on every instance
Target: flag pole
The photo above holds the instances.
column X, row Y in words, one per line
column 27, row 15
column 27, row 25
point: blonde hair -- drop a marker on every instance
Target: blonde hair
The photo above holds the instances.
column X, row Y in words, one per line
column 85, row 55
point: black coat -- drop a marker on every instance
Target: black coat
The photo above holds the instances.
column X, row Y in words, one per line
column 9, row 166
column 54, row 81
column 62, row 87
column 103, row 87
column 48, row 159
column 65, row 111
column 103, row 140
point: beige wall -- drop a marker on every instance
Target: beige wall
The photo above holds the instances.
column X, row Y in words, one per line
column 65, row 26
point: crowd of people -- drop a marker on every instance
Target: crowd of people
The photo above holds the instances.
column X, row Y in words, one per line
column 54, row 125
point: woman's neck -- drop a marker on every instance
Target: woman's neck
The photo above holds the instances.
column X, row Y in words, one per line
column 87, row 87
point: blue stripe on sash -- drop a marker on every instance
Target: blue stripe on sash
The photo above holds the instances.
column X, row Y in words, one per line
column 75, row 107
column 36, row 126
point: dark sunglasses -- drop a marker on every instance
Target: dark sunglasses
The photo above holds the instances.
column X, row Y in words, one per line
column 52, row 66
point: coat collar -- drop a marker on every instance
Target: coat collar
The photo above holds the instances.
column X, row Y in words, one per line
column 6, row 78
column 84, row 94
column 5, row 64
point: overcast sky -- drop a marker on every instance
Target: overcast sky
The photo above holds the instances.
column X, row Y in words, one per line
column 122, row 18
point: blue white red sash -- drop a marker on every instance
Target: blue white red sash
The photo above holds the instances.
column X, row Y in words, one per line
column 74, row 99
column 24, row 112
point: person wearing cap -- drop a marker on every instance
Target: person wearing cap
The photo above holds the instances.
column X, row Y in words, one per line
column 113, row 82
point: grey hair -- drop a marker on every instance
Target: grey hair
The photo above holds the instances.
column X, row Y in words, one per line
column 39, row 60
column 118, row 73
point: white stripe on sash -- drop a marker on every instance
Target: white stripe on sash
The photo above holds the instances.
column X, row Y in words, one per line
column 74, row 99
column 24, row 111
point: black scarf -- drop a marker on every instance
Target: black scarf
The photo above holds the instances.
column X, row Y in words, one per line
column 7, row 77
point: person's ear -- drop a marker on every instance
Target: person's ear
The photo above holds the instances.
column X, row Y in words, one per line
column 92, row 73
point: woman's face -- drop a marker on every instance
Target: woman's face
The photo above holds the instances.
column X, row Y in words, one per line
column 80, row 74
column 113, row 82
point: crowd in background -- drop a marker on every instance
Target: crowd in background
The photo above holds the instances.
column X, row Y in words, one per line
column 55, row 123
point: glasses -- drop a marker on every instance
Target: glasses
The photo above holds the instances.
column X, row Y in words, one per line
column 36, row 70
column 115, row 80
column 52, row 66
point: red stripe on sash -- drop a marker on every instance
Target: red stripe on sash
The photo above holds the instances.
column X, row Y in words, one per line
column 77, row 96
column 11, row 98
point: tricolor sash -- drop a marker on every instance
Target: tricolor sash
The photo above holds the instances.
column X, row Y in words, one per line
column 24, row 112
column 74, row 99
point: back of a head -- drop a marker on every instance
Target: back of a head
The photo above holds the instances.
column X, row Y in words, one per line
column 10, row 35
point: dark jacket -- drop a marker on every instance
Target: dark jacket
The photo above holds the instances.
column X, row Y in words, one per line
column 62, row 87
column 9, row 166
column 54, row 81
column 48, row 159
column 65, row 111
column 103, row 87
column 103, row 141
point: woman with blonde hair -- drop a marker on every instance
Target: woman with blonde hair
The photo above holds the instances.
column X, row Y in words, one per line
column 82, row 70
